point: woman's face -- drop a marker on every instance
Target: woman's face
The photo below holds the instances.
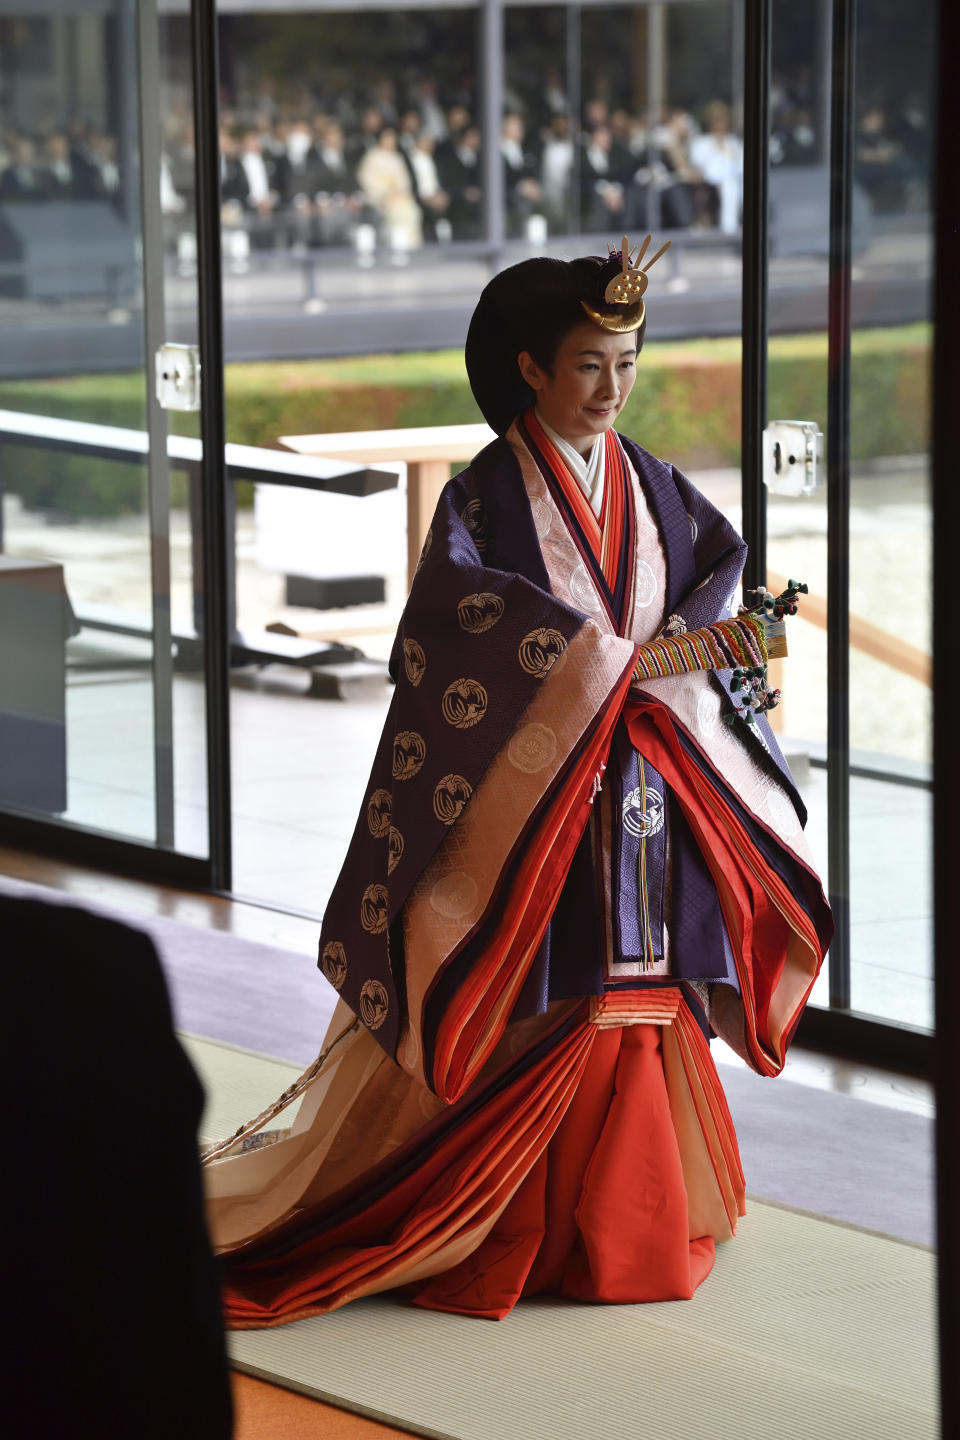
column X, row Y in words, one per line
column 593, row 373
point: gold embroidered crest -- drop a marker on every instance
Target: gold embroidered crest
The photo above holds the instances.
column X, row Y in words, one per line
column 644, row 584
column 540, row 651
column 409, row 753
column 782, row 813
column 373, row 909
column 374, row 1004
column 542, row 517
column 414, row 661
column 476, row 522
column 480, row 612
column 708, row 712
column 464, row 703
column 425, row 551
column 333, row 963
column 583, row 592
column 454, row 896
column 532, row 748
column 450, row 796
column 395, row 848
column 378, row 813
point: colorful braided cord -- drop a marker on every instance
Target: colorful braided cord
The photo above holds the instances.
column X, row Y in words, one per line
column 724, row 645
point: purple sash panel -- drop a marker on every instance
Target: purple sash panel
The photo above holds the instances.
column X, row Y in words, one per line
column 569, row 962
column 700, row 948
column 639, row 831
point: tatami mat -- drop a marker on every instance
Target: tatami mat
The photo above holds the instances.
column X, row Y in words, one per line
column 239, row 1083
column 807, row 1329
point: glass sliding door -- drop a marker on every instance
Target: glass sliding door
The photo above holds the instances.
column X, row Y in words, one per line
column 857, row 684
column 795, row 367
column 352, row 211
column 102, row 695
column 891, row 941
column 598, row 110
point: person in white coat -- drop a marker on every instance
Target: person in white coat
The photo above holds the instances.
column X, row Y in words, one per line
column 718, row 155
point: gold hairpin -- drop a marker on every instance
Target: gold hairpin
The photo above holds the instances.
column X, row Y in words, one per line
column 626, row 289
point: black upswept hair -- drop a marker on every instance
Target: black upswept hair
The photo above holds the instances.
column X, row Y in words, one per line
column 532, row 306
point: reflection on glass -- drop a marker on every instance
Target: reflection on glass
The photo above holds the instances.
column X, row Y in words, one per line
column 354, row 142
column 349, row 147
column 336, row 137
column 632, row 126
column 330, row 567
column 890, row 567
column 352, row 165
column 329, row 128
column 174, row 270
column 83, row 562
column 889, row 515
column 74, row 523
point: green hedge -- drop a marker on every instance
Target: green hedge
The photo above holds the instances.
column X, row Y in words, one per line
column 685, row 406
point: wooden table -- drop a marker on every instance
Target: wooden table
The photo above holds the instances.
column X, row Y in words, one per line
column 427, row 451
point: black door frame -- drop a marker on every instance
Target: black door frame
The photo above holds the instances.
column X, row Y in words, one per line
column 217, row 536
column 946, row 753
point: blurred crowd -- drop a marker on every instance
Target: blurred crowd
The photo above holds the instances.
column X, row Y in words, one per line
column 387, row 167
column 79, row 164
column 395, row 171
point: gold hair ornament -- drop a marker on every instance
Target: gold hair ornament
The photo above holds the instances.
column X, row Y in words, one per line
column 626, row 289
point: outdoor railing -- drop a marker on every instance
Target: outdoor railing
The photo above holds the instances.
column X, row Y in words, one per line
column 243, row 462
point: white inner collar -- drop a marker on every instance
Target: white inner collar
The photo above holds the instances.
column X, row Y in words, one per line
column 589, row 472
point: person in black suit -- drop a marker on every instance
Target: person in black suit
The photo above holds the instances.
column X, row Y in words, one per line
column 62, row 178
column 458, row 166
column 235, row 210
column 602, row 182
column 340, row 202
column 521, row 175
column 371, row 124
column 110, row 1289
column 234, row 185
column 22, row 179
column 107, row 180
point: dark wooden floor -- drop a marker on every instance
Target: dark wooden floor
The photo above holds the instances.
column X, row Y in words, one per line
column 139, row 897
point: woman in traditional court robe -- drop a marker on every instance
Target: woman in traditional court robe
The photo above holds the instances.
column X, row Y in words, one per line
column 580, row 855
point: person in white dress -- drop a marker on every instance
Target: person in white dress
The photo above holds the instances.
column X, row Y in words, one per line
column 718, row 155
